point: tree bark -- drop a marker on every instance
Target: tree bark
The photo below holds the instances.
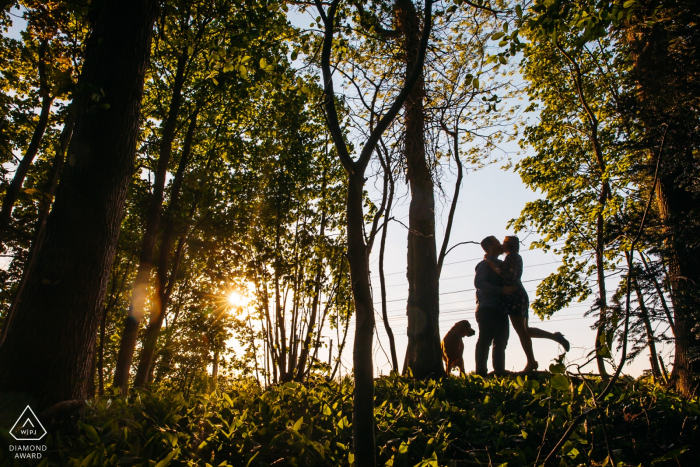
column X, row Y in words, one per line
column 665, row 70
column 48, row 190
column 423, row 353
column 140, row 287
column 150, row 339
column 358, row 259
column 62, row 299
column 15, row 186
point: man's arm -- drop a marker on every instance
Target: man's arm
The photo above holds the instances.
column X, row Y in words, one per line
column 481, row 282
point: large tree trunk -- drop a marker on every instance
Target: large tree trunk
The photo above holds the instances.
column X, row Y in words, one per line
column 49, row 190
column 666, row 70
column 140, row 287
column 150, row 339
column 684, row 275
column 63, row 296
column 15, row 186
column 358, row 259
column 423, row 353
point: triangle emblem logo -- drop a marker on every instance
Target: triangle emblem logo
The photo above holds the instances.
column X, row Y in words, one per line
column 28, row 427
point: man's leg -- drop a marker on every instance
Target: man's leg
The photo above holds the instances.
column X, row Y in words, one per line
column 487, row 331
column 500, row 341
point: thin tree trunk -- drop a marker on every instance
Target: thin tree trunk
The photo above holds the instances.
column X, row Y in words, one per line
column 458, row 184
column 150, row 339
column 602, row 202
column 214, row 371
column 140, row 287
column 15, row 186
column 166, row 355
column 301, row 366
column 660, row 294
column 49, row 190
column 60, row 306
column 653, row 356
column 388, row 181
column 423, row 353
column 114, row 297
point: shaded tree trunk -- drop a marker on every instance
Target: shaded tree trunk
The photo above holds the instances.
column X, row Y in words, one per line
column 358, row 259
column 665, row 68
column 214, row 371
column 165, row 285
column 15, row 186
column 140, row 287
column 390, row 185
column 63, row 295
column 423, row 353
column 644, row 313
column 49, row 190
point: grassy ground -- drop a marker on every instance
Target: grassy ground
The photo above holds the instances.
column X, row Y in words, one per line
column 454, row 422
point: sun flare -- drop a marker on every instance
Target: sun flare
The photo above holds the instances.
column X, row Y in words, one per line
column 236, row 299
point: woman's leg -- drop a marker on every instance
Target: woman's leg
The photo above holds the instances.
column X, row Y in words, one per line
column 520, row 325
column 536, row 333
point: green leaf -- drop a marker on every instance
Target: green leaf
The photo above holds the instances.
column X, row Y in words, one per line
column 90, row 431
column 557, row 369
column 560, row 382
column 298, row 423
column 166, row 461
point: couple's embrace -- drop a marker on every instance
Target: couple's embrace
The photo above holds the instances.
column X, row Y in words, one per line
column 500, row 295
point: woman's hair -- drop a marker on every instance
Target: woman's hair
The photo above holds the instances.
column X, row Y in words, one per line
column 511, row 244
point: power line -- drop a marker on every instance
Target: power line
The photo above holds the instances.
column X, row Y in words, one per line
column 458, row 262
column 472, row 275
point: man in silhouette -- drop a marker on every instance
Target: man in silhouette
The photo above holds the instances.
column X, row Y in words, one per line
column 490, row 316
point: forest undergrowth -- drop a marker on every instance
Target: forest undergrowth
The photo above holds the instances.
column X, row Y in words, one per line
column 465, row 421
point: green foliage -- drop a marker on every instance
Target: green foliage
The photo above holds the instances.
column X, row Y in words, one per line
column 501, row 420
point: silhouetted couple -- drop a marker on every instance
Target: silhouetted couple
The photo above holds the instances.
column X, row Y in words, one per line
column 499, row 295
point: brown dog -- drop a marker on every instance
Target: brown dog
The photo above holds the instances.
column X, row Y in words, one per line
column 453, row 347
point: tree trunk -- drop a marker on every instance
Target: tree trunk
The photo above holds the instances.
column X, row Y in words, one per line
column 664, row 69
column 214, row 371
column 660, row 294
column 388, row 183
column 644, row 313
column 303, row 357
column 140, row 287
column 15, row 186
column 423, row 353
column 684, row 275
column 64, row 292
column 165, row 286
column 358, row 259
column 49, row 190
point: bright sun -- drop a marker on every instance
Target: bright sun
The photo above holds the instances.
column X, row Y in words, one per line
column 235, row 299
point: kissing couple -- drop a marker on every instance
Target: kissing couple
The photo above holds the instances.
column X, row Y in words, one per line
column 500, row 295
